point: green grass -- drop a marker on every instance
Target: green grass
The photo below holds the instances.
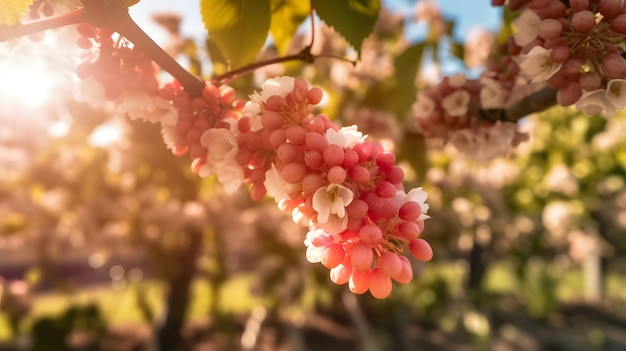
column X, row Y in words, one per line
column 119, row 306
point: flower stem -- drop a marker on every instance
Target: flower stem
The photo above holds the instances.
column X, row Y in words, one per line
column 15, row 31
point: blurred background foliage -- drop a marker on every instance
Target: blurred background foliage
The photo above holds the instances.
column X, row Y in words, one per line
column 107, row 241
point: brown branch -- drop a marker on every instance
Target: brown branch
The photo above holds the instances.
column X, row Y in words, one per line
column 535, row 102
column 21, row 29
column 304, row 55
column 111, row 15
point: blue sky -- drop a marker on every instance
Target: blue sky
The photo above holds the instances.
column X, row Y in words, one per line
column 466, row 13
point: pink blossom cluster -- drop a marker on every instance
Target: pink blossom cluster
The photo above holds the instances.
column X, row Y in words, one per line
column 347, row 190
column 574, row 47
column 451, row 111
column 117, row 67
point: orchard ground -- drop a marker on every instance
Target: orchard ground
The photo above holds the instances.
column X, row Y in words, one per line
column 502, row 323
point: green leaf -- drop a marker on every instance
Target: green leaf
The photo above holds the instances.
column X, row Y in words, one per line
column 458, row 50
column 287, row 16
column 353, row 19
column 239, row 27
column 12, row 11
column 407, row 66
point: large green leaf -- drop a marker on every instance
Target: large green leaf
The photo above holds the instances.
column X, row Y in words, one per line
column 407, row 66
column 287, row 16
column 11, row 11
column 238, row 27
column 353, row 19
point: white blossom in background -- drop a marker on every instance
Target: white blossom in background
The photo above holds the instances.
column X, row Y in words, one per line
column 457, row 81
column 492, row 94
column 478, row 47
column 558, row 217
column 560, row 179
column 138, row 105
column 457, row 103
column 486, row 143
column 90, row 91
column 423, row 107
column 222, row 149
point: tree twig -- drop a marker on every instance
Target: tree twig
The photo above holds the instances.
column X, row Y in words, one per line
column 358, row 318
column 535, row 102
column 21, row 29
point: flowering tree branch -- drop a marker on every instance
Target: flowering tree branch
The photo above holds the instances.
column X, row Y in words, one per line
column 112, row 15
column 535, row 102
column 15, row 31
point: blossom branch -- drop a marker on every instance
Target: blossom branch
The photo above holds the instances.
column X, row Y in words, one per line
column 112, row 15
column 304, row 55
column 536, row 102
column 15, row 31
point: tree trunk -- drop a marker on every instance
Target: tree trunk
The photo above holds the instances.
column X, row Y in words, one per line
column 178, row 296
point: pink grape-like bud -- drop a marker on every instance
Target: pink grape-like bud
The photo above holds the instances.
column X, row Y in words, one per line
column 341, row 274
column 314, row 95
column 550, row 28
column 357, row 209
column 294, row 172
column 359, row 281
column 572, row 67
column 361, row 257
column 390, row 264
column 370, row 234
column 407, row 271
column 359, row 174
column 333, row 155
column 379, row 284
column 613, row 65
column 332, row 255
column 271, row 120
column 363, row 149
column 395, row 175
column 336, row 174
column 296, row 135
column 590, row 81
column 569, row 95
column 618, row 24
column 610, row 8
column 257, row 192
column 583, row 21
column 421, row 250
column 560, row 54
column 410, row 211
column 300, row 89
column 579, row 5
column 385, row 189
column 311, row 183
column 287, row 153
column 315, row 141
column 350, row 158
column 313, row 159
column 321, row 238
column 409, row 229
column 386, row 159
